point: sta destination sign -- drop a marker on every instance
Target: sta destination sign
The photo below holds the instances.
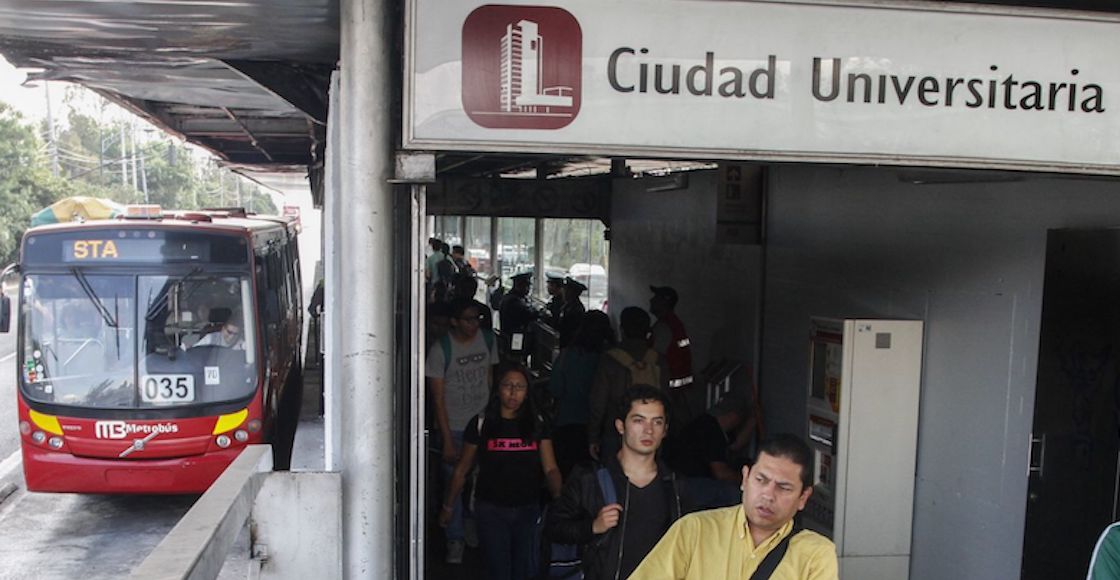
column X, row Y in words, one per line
column 946, row 85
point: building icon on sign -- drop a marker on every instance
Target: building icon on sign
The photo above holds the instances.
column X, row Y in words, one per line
column 520, row 81
column 522, row 67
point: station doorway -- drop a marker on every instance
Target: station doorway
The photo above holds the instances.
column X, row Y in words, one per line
column 1073, row 473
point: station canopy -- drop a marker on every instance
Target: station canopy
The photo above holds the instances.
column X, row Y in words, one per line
column 245, row 79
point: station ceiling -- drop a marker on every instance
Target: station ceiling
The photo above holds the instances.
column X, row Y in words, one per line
column 246, row 79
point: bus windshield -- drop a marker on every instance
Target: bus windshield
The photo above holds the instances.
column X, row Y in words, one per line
column 137, row 341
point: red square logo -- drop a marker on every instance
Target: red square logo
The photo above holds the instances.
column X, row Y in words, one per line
column 521, row 67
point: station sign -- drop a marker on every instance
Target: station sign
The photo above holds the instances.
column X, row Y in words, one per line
column 907, row 84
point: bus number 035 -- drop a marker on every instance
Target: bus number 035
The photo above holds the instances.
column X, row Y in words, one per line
column 168, row 388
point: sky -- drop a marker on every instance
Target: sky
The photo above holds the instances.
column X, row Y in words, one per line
column 31, row 102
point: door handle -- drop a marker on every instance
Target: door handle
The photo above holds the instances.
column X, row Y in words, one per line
column 1036, row 458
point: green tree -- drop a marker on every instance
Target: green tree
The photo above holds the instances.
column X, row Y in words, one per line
column 90, row 155
column 26, row 183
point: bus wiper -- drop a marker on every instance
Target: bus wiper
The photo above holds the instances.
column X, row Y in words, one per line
column 117, row 315
column 93, row 298
column 161, row 301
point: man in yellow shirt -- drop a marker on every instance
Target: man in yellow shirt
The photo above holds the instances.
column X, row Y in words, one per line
column 733, row 542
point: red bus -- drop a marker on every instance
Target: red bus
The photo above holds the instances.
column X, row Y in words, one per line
column 152, row 349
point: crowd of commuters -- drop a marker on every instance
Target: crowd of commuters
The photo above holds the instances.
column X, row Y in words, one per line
column 602, row 460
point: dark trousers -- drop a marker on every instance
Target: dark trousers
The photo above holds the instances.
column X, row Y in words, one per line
column 570, row 442
column 681, row 400
column 509, row 539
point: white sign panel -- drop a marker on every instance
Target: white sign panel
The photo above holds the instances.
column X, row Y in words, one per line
column 963, row 86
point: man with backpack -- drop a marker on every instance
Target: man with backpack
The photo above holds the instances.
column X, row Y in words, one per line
column 458, row 368
column 758, row 539
column 619, row 508
column 630, row 363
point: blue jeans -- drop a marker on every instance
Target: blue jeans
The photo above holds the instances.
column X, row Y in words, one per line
column 509, row 539
column 454, row 530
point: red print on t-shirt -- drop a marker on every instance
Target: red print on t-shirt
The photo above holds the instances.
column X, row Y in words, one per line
column 510, row 444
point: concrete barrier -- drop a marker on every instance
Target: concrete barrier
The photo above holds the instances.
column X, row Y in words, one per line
column 196, row 547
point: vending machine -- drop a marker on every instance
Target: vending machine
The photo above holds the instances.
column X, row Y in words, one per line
column 864, row 385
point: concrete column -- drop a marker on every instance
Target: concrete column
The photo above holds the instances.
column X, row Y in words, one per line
column 332, row 290
column 366, row 280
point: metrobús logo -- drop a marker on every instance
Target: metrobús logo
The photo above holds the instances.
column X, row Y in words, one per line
column 521, row 67
column 122, row 429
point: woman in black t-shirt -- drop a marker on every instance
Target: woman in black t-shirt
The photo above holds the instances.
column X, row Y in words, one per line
column 515, row 457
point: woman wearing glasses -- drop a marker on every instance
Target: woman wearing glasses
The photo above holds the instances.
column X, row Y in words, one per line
column 513, row 448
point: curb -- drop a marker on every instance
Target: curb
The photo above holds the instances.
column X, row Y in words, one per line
column 6, row 491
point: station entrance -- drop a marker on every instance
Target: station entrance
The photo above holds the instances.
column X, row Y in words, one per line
column 654, row 224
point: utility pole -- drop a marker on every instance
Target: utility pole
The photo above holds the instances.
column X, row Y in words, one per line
column 143, row 177
column 100, row 152
column 101, row 141
column 124, row 158
column 51, row 143
column 135, row 174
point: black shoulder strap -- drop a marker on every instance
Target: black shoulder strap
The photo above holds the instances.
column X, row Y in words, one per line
column 771, row 561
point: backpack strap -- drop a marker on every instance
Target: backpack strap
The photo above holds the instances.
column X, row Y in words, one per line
column 445, row 346
column 488, row 337
column 606, row 486
column 771, row 561
column 650, row 360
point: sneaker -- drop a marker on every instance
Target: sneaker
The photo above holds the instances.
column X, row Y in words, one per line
column 470, row 532
column 455, row 551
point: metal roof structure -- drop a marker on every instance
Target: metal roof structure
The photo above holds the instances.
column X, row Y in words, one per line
column 245, row 79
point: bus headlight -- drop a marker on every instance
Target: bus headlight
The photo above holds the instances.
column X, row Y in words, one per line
column 241, row 436
column 222, row 441
column 254, row 425
column 55, row 442
column 38, row 436
column 24, row 427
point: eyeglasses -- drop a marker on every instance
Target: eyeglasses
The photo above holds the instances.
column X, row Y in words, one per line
column 513, row 386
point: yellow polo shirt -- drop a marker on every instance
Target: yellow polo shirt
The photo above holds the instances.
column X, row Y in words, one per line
column 714, row 545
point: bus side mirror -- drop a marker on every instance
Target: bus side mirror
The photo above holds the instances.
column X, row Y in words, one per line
column 6, row 314
column 12, row 270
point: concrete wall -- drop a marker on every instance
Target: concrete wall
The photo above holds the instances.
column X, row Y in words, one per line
column 668, row 238
column 297, row 525
column 968, row 258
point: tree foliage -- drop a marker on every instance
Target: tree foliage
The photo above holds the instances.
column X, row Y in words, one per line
column 113, row 159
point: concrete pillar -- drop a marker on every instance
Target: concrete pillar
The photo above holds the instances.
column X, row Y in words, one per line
column 366, row 281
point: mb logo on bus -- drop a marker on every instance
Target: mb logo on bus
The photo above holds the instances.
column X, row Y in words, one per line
column 521, row 67
column 122, row 429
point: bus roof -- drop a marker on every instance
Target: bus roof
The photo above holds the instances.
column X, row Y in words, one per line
column 225, row 221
